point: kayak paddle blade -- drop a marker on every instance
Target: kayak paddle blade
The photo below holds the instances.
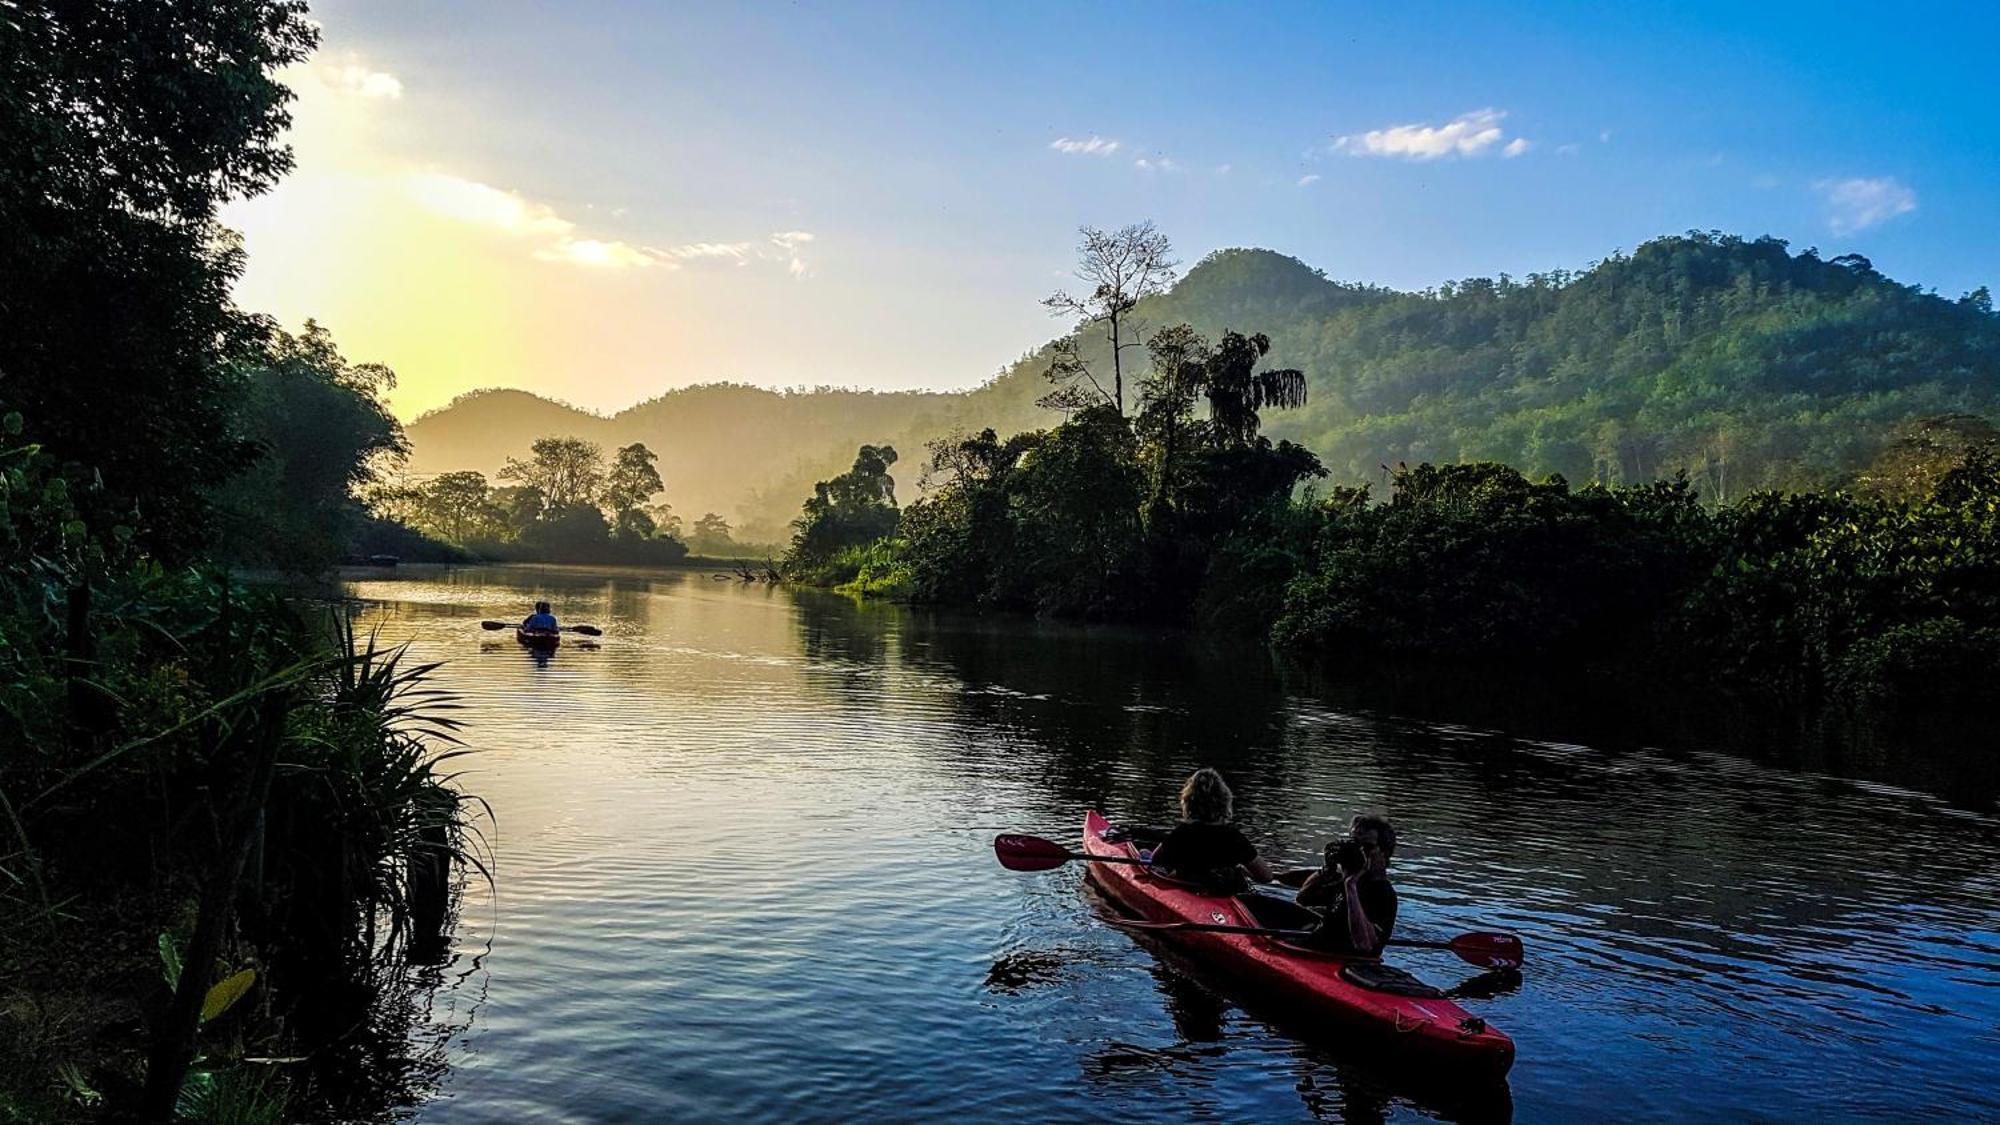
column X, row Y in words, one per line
column 489, row 626
column 586, row 630
column 1028, row 853
column 1489, row 951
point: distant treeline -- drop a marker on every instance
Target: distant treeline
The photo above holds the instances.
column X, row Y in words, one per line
column 1735, row 361
column 564, row 505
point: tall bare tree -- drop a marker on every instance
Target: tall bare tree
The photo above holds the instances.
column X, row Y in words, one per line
column 1121, row 268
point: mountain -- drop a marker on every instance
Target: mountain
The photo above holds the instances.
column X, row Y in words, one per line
column 1734, row 360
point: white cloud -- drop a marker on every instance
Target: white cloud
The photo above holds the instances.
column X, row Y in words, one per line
column 1094, row 146
column 1162, row 164
column 1858, row 203
column 788, row 243
column 469, row 201
column 778, row 246
column 349, row 75
column 595, row 253
column 731, row 250
column 1469, row 134
column 357, row 79
column 1308, row 181
column 1222, row 169
column 1516, row 147
column 1568, row 150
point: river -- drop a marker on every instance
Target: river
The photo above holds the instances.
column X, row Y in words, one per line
column 742, row 869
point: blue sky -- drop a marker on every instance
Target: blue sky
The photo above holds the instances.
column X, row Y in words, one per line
column 606, row 200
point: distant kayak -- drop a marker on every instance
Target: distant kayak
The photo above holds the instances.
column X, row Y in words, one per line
column 538, row 638
column 1403, row 1014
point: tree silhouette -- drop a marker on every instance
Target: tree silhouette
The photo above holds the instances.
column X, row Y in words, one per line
column 1122, row 268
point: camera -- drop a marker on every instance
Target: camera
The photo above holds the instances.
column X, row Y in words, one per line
column 1346, row 855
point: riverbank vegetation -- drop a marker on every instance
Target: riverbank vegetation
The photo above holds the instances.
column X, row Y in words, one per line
column 228, row 827
column 1874, row 599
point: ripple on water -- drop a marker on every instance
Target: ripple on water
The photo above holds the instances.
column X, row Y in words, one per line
column 742, row 870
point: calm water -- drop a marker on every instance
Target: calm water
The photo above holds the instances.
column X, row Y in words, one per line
column 744, row 871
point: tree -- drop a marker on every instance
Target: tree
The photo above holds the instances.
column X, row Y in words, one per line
column 1074, row 498
column 1166, row 427
column 850, row 510
column 128, row 126
column 633, row 524
column 665, row 522
column 633, row 479
column 520, row 506
column 574, row 532
column 568, row 472
column 1236, row 390
column 711, row 535
column 320, row 432
column 458, row 506
column 1122, row 268
column 1185, row 367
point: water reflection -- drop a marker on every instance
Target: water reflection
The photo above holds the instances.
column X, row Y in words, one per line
column 743, row 871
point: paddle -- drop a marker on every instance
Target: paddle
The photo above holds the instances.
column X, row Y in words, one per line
column 1032, row 853
column 586, row 630
column 1487, row 950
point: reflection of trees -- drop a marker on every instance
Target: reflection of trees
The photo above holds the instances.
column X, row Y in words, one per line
column 1104, row 716
column 1710, row 866
column 835, row 629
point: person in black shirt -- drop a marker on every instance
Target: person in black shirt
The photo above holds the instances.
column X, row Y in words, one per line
column 1205, row 847
column 1359, row 903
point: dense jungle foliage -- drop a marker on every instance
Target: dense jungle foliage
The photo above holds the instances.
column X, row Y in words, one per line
column 1880, row 601
column 227, row 833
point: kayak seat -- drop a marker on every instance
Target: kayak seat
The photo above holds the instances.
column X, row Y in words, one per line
column 1377, row 977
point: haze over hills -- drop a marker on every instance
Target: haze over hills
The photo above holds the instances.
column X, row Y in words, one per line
column 1733, row 360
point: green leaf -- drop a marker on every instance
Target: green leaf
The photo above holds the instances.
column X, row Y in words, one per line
column 79, row 1089
column 170, row 960
column 197, row 1089
column 226, row 993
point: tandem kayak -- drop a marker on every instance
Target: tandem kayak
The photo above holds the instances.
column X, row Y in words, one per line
column 538, row 638
column 1405, row 1016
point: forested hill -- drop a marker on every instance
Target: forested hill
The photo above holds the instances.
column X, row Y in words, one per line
column 1734, row 360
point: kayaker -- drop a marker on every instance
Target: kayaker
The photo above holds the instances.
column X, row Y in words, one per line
column 541, row 621
column 1353, row 888
column 1205, row 847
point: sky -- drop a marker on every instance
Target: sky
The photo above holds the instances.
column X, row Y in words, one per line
column 599, row 201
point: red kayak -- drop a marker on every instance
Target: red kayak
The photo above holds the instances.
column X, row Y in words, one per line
column 538, row 638
column 1411, row 1019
